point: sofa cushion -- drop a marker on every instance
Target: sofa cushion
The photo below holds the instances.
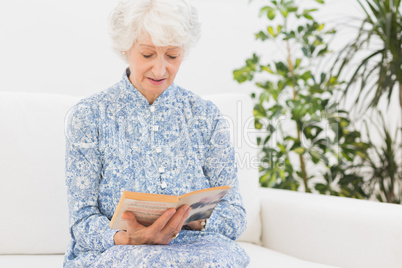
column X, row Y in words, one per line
column 31, row 261
column 263, row 257
column 339, row 231
column 237, row 109
column 32, row 188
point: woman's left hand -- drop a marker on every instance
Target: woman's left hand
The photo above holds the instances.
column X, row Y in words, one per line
column 196, row 225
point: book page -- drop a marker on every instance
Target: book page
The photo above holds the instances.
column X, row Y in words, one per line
column 203, row 203
column 146, row 212
column 147, row 208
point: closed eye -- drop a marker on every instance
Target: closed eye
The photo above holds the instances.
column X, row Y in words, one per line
column 147, row 56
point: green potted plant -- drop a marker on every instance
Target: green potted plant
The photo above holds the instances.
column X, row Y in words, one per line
column 379, row 72
column 315, row 145
column 385, row 162
column 376, row 54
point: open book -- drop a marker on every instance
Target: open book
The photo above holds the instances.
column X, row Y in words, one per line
column 148, row 207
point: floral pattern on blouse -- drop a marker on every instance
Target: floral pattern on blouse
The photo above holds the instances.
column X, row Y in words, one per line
column 116, row 141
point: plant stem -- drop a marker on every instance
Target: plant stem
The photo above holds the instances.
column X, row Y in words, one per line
column 382, row 186
column 400, row 95
column 302, row 163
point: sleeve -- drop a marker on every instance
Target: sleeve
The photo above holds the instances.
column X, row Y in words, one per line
column 229, row 216
column 88, row 227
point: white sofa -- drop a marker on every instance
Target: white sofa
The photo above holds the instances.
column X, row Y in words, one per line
column 285, row 229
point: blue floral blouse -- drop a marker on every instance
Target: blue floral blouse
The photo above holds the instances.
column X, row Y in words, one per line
column 116, row 141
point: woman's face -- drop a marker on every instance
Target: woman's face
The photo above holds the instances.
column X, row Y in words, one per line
column 153, row 69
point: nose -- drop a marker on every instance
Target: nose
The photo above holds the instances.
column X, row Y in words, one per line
column 159, row 68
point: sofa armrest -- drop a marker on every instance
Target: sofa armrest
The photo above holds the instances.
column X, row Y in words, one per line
column 332, row 230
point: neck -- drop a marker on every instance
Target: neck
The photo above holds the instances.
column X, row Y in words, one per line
column 149, row 96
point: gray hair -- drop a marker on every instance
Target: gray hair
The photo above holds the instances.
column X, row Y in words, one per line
column 168, row 22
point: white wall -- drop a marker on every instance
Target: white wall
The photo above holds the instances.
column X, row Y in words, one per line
column 62, row 46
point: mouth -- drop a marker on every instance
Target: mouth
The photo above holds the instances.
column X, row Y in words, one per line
column 156, row 82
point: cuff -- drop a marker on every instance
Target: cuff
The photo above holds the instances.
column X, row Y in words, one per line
column 108, row 237
column 213, row 224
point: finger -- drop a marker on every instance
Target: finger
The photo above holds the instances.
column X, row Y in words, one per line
column 176, row 222
column 173, row 227
column 183, row 219
column 131, row 221
column 127, row 215
column 160, row 223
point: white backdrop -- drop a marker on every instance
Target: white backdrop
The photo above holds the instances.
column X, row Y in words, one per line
column 62, row 46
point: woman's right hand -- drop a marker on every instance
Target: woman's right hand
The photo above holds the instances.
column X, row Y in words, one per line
column 161, row 232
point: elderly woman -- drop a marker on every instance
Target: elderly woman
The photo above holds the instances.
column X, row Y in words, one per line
column 146, row 134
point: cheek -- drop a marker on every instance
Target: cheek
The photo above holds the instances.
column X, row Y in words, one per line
column 137, row 66
column 175, row 68
column 138, row 71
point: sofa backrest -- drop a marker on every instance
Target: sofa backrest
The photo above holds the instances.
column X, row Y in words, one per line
column 32, row 184
column 237, row 109
column 32, row 189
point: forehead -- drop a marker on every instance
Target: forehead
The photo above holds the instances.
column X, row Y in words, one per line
column 145, row 41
